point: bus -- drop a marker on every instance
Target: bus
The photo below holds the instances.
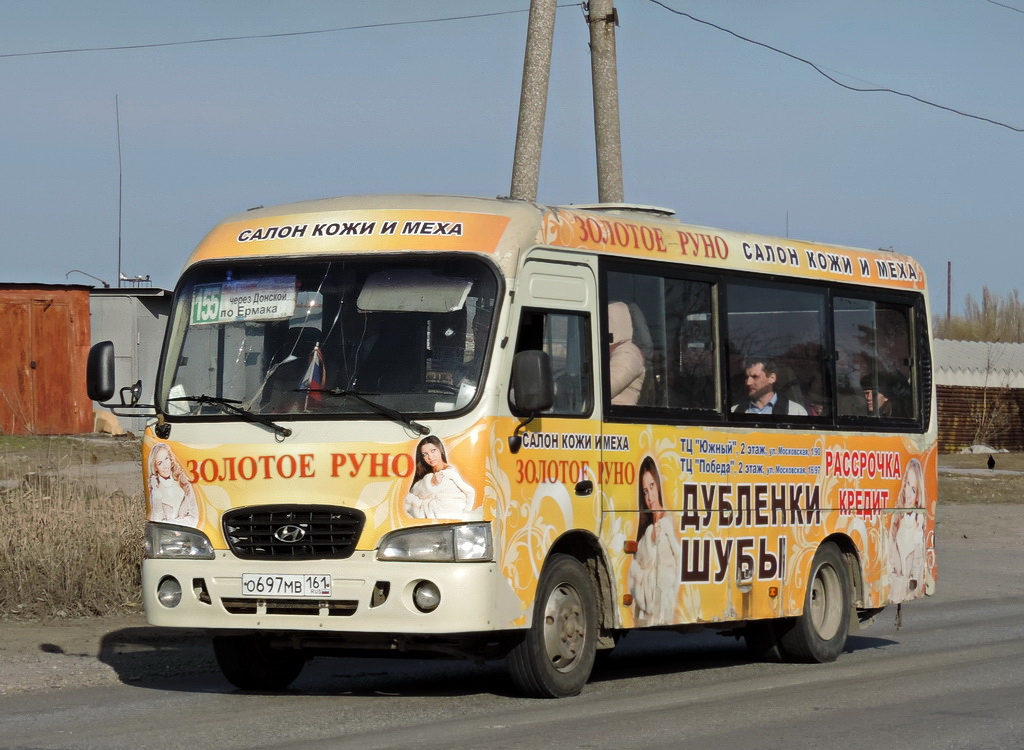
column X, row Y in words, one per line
column 490, row 429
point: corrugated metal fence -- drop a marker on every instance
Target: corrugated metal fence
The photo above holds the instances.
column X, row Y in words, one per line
column 989, row 416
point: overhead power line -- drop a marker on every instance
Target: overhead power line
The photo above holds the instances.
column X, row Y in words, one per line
column 821, row 71
column 276, row 35
column 817, row 68
column 1008, row 7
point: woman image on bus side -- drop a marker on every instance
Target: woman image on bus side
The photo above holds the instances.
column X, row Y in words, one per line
column 654, row 572
column 171, row 496
column 907, row 560
column 438, row 490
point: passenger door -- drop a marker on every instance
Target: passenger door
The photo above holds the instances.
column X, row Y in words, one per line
column 556, row 472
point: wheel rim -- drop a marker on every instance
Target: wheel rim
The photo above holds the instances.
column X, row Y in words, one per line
column 565, row 627
column 826, row 603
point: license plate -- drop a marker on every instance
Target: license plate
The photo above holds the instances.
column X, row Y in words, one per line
column 290, row 584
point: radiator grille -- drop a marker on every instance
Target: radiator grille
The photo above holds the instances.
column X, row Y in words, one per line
column 293, row 532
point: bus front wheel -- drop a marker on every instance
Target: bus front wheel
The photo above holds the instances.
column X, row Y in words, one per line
column 819, row 634
column 556, row 654
column 249, row 662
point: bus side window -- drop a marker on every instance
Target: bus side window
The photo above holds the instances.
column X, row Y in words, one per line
column 874, row 362
column 565, row 337
column 776, row 338
column 673, row 327
column 693, row 375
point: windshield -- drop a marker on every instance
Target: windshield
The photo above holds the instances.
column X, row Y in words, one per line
column 358, row 336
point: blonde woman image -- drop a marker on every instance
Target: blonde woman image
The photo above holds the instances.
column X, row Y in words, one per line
column 654, row 572
column 438, row 490
column 171, row 497
column 907, row 560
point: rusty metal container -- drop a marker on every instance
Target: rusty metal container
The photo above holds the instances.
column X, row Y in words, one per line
column 45, row 334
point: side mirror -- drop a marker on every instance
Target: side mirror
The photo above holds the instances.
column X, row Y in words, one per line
column 99, row 371
column 533, row 387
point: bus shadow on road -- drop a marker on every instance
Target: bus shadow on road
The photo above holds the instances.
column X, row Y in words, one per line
column 149, row 655
column 856, row 643
column 650, row 653
column 169, row 659
column 182, row 661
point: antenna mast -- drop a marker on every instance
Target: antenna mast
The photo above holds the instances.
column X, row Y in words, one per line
column 117, row 116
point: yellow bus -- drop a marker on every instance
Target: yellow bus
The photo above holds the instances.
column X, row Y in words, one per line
column 492, row 429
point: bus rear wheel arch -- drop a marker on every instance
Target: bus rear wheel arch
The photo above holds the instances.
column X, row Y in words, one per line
column 818, row 635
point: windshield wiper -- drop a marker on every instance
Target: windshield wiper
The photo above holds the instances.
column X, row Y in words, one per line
column 231, row 406
column 397, row 416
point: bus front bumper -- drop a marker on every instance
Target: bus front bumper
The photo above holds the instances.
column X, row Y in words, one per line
column 366, row 596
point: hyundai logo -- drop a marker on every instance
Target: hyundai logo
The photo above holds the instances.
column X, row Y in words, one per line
column 290, row 534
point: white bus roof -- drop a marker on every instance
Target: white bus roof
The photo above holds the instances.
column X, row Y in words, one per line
column 503, row 228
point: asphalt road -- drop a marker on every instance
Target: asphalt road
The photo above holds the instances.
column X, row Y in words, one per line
column 951, row 677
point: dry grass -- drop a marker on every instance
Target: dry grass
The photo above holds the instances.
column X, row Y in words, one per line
column 980, row 485
column 1004, row 461
column 70, row 545
column 21, row 455
column 980, row 489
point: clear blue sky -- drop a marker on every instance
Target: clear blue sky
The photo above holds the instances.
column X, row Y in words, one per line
column 727, row 133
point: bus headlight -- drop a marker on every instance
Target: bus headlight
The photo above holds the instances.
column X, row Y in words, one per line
column 463, row 543
column 176, row 542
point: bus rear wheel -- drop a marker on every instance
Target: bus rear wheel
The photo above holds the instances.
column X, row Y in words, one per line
column 819, row 634
column 556, row 654
column 249, row 662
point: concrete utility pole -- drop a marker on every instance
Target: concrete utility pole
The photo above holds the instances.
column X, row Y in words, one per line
column 533, row 100
column 602, row 19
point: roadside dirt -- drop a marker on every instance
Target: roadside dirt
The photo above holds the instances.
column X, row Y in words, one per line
column 80, row 653
column 96, row 651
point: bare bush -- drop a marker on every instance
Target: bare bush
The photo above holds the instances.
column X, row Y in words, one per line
column 993, row 421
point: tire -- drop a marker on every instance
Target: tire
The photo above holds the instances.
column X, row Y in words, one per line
column 819, row 634
column 556, row 654
column 249, row 662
